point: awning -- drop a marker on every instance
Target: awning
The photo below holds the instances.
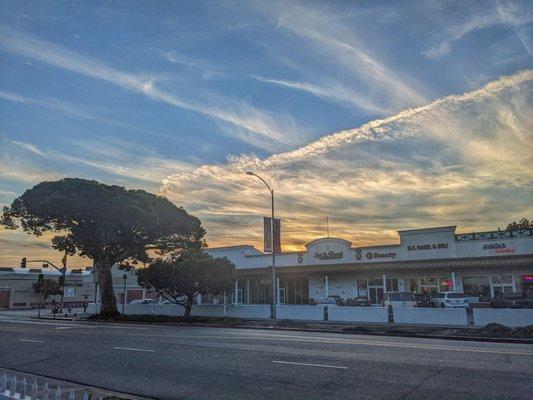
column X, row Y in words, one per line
column 452, row 264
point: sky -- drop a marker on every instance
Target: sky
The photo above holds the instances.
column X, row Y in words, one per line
column 380, row 115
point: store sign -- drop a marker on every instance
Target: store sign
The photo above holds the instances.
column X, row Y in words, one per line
column 372, row 255
column 498, row 247
column 528, row 278
column 428, row 246
column 328, row 254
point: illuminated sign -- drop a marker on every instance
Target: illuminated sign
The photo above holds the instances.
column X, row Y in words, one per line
column 528, row 278
column 498, row 247
column 429, row 246
column 328, row 254
column 372, row 255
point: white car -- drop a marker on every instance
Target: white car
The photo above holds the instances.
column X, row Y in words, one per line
column 326, row 301
column 144, row 301
column 449, row 300
column 399, row 299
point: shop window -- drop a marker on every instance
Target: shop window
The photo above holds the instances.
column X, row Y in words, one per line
column 392, row 285
column 501, row 279
column 476, row 286
column 362, row 287
column 445, row 284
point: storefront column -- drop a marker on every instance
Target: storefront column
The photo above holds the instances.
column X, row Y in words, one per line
column 236, row 297
column 454, row 285
column 144, row 294
column 327, row 288
column 277, row 291
column 384, row 284
column 247, row 291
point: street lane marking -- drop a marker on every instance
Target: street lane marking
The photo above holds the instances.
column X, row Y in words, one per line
column 132, row 349
column 64, row 327
column 31, row 340
column 309, row 365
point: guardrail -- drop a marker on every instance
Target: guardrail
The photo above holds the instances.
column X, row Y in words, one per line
column 12, row 388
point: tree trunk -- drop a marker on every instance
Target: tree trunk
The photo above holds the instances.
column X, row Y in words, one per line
column 107, row 293
column 188, row 306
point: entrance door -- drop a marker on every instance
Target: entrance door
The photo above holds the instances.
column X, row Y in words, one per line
column 4, row 298
column 376, row 294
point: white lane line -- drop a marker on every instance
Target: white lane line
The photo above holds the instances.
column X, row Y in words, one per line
column 64, row 327
column 309, row 365
column 31, row 340
column 132, row 349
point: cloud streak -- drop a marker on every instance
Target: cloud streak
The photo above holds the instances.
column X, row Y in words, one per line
column 259, row 124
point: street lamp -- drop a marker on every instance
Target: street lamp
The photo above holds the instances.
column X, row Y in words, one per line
column 274, row 285
column 125, row 277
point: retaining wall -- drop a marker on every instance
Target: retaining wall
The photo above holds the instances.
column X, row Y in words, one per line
column 253, row 311
column 315, row 313
column 359, row 314
column 505, row 316
column 430, row 316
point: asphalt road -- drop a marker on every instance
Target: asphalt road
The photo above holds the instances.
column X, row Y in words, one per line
column 213, row 363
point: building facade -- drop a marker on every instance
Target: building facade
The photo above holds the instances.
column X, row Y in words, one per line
column 486, row 264
column 16, row 286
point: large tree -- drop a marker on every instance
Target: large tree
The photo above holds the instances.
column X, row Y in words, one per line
column 108, row 224
column 180, row 279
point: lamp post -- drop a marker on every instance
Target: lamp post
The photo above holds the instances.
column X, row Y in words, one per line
column 274, row 286
column 125, row 277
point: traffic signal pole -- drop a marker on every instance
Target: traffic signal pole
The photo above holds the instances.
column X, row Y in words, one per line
column 61, row 278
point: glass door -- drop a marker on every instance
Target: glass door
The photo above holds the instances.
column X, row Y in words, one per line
column 375, row 290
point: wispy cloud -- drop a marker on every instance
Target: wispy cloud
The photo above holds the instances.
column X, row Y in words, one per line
column 368, row 82
column 501, row 14
column 430, row 165
column 240, row 114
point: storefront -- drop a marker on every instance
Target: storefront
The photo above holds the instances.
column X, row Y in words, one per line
column 487, row 264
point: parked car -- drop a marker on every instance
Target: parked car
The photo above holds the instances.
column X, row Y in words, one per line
column 358, row 302
column 337, row 298
column 399, row 299
column 326, row 301
column 449, row 300
column 422, row 300
column 144, row 301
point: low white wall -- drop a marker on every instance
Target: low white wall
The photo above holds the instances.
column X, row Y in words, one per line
column 505, row 316
column 430, row 316
column 315, row 313
column 208, row 310
column 174, row 310
column 248, row 311
column 358, row 314
column 93, row 308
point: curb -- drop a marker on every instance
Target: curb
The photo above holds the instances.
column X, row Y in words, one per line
column 343, row 332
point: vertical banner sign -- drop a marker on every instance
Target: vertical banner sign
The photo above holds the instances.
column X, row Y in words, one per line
column 267, row 228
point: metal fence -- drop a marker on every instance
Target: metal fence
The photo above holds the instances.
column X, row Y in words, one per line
column 13, row 388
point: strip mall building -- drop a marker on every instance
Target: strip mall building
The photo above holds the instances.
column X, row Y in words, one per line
column 426, row 260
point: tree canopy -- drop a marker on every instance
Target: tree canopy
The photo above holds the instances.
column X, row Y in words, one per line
column 48, row 287
column 524, row 223
column 109, row 224
column 181, row 279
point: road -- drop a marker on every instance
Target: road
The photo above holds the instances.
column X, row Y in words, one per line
column 180, row 362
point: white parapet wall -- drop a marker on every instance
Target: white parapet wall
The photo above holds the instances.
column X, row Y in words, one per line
column 314, row 313
column 259, row 311
column 359, row 314
column 505, row 316
column 430, row 316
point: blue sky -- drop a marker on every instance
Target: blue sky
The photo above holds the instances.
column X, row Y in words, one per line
column 180, row 97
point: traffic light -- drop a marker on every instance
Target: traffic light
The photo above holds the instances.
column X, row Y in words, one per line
column 23, row 263
column 61, row 280
column 40, row 280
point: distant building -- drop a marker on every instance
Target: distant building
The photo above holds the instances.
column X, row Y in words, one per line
column 16, row 286
column 431, row 260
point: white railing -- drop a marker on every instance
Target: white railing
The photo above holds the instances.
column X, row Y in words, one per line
column 12, row 388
